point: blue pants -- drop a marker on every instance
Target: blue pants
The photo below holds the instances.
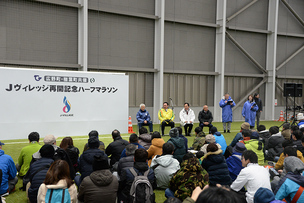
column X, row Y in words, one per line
column 169, row 193
column 147, row 124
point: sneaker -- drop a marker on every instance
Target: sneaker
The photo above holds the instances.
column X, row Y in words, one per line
column 224, row 131
column 228, row 131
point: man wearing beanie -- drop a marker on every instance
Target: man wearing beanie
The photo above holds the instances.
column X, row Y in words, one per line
column 38, row 170
column 100, row 185
column 87, row 158
column 274, row 146
column 291, row 186
column 94, row 133
column 234, row 162
column 178, row 143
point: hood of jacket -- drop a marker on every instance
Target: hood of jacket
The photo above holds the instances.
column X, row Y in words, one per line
column 177, row 141
column 216, row 156
column 217, row 134
column 88, row 155
column 101, row 177
column 164, row 160
column 201, row 134
column 158, row 142
column 191, row 165
column 145, row 137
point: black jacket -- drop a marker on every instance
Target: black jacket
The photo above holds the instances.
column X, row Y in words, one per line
column 127, row 179
column 216, row 166
column 205, row 117
column 115, row 148
column 125, row 162
column 274, row 146
column 259, row 103
column 38, row 178
column 73, row 153
column 86, row 161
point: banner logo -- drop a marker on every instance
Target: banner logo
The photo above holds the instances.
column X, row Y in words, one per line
column 67, row 106
column 37, row 77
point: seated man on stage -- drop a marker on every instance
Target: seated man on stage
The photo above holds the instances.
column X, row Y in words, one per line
column 143, row 117
column 205, row 118
column 187, row 117
column 166, row 117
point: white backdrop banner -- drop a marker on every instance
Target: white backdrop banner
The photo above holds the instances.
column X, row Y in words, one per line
column 62, row 103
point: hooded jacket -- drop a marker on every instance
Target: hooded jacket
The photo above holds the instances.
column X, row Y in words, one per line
column 179, row 148
column 289, row 184
column 256, row 146
column 199, row 141
column 9, row 170
column 155, row 149
column 145, row 140
column 86, row 161
column 220, row 139
column 38, row 178
column 187, row 178
column 264, row 137
column 234, row 164
column 164, row 168
column 101, row 185
column 215, row 165
column 274, row 146
column 127, row 178
column 226, row 110
column 250, row 113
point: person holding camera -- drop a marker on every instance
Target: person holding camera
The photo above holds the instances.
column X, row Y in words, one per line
column 249, row 111
column 226, row 104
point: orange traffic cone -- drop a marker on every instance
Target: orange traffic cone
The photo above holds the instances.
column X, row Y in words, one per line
column 281, row 116
column 130, row 127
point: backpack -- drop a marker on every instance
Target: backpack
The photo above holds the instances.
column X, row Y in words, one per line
column 141, row 188
column 57, row 196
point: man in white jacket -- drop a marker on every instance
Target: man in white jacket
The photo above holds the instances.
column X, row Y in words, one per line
column 187, row 117
column 252, row 176
column 165, row 166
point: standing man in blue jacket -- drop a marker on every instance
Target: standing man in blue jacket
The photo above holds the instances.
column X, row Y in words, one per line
column 143, row 117
column 226, row 104
column 9, row 172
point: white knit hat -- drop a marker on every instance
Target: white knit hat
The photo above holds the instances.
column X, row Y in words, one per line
column 300, row 116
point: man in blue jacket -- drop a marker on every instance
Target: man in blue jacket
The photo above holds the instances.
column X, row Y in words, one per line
column 9, row 172
column 143, row 117
column 226, row 104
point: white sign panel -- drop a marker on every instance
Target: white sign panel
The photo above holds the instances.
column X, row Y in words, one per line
column 62, row 103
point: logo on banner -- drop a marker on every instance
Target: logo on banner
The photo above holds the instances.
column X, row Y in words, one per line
column 37, row 77
column 67, row 106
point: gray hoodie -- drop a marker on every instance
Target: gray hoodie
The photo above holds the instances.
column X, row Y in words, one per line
column 165, row 167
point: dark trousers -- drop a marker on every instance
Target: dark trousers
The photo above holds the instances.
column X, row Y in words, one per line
column 188, row 128
column 164, row 124
column 209, row 125
column 258, row 114
column 150, row 124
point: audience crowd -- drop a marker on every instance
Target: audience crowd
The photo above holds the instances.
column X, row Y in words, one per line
column 258, row 166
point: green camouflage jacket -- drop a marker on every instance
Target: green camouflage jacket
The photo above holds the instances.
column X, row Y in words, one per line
column 185, row 180
column 199, row 141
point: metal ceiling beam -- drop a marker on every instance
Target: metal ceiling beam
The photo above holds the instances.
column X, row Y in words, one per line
column 259, row 66
column 240, row 11
column 294, row 13
column 249, row 93
column 290, row 57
